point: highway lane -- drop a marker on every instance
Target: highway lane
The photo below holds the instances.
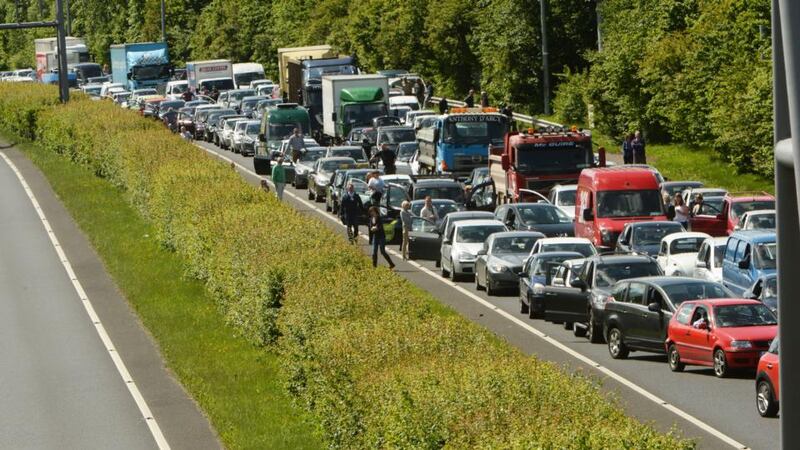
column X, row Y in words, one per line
column 726, row 406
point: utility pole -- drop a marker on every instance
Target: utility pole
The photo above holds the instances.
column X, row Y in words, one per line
column 599, row 23
column 545, row 59
column 68, row 21
column 163, row 23
column 63, row 82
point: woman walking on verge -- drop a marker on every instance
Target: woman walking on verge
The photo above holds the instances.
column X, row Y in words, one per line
column 378, row 237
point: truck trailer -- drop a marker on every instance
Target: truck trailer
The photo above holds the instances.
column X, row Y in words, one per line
column 140, row 65
column 216, row 73
column 350, row 101
column 47, row 57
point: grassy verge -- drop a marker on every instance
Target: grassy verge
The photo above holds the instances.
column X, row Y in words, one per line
column 236, row 384
column 684, row 162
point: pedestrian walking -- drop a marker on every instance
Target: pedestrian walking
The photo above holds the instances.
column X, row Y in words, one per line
column 378, row 237
column 443, row 105
column 681, row 211
column 297, row 144
column 350, row 211
column 470, row 100
column 279, row 177
column 428, row 211
column 637, row 145
column 627, row 149
column 428, row 95
column 406, row 218
column 484, row 99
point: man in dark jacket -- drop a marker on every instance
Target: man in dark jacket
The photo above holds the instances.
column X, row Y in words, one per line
column 637, row 145
column 387, row 157
column 351, row 211
column 470, row 100
column 443, row 105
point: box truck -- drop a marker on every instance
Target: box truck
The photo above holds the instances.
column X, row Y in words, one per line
column 350, row 101
column 217, row 73
column 140, row 65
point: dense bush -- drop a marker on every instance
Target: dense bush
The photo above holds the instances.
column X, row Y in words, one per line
column 570, row 103
column 378, row 362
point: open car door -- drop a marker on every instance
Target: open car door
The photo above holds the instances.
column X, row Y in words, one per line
column 424, row 240
column 482, row 197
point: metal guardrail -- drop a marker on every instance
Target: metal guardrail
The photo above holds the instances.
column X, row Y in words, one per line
column 518, row 117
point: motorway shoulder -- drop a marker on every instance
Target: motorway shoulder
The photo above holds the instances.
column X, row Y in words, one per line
column 182, row 422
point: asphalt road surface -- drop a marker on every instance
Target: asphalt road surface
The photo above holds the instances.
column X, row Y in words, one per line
column 718, row 413
column 77, row 371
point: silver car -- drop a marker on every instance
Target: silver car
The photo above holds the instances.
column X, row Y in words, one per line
column 461, row 246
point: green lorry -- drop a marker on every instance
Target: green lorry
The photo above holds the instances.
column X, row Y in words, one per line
column 277, row 124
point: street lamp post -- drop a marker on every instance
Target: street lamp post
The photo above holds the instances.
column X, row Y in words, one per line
column 163, row 22
column 545, row 59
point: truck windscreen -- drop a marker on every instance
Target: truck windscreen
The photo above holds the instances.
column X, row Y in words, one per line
column 645, row 203
column 150, row 72
column 554, row 157
column 362, row 114
column 244, row 79
column 316, row 73
column 474, row 129
column 221, row 84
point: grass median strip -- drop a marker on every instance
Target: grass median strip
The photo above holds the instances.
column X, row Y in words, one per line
column 237, row 385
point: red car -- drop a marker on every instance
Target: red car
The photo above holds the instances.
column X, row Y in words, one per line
column 723, row 223
column 768, row 383
column 720, row 333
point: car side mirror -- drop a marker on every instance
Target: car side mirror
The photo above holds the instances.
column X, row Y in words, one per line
column 654, row 307
column 580, row 284
column 744, row 264
column 587, row 214
column 701, row 265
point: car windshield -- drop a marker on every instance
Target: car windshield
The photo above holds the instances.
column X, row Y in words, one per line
column 397, row 136
column 282, row 130
column 311, row 155
column 406, row 150
column 584, row 248
column 362, row 114
column 645, row 203
column 608, row 274
column 542, row 215
column 240, row 126
column 316, row 73
column 761, row 222
column 244, row 79
column 740, row 208
column 566, row 198
column 249, row 105
column 355, row 153
column 766, row 256
column 371, row 134
column 751, row 315
column 443, row 208
column 513, row 245
column 679, row 293
column 686, row 245
column 455, row 193
column 253, row 128
column 554, row 157
column 238, row 95
column 769, row 293
column 652, row 235
column 477, row 234
column 179, row 88
column 475, row 129
column 231, row 123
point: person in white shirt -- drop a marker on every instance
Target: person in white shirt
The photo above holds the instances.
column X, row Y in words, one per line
column 681, row 211
column 428, row 211
column 297, row 144
column 376, row 185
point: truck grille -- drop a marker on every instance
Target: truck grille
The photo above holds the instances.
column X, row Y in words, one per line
column 465, row 163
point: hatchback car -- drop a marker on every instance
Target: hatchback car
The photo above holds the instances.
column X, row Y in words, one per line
column 768, row 386
column 678, row 253
column 542, row 217
column 321, row 177
column 244, row 136
column 765, row 290
column 645, row 237
column 352, row 151
column 304, row 165
column 438, row 188
column 565, row 244
column 762, row 219
column 501, row 259
column 708, row 265
column 748, row 255
column 460, row 248
column 722, row 333
column 392, row 136
column 563, row 196
column 538, row 271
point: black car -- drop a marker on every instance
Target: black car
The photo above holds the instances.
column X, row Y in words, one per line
column 542, row 217
column 500, row 261
column 645, row 237
column 438, row 188
column 391, row 136
column 583, row 304
column 425, row 239
column 638, row 317
column 536, row 274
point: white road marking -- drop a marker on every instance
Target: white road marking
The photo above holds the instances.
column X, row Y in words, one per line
column 516, row 320
column 151, row 422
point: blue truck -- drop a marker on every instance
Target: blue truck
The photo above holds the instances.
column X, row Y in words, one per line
column 140, row 65
column 461, row 141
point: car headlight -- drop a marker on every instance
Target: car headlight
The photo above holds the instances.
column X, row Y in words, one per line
column 498, row 268
column 538, row 289
column 741, row 344
column 466, row 256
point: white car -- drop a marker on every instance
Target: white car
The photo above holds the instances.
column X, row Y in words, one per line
column 412, row 115
column 176, row 88
column 689, row 194
column 460, row 247
column 564, row 244
column 708, row 264
column 563, row 196
column 242, row 141
column 256, row 83
column 226, row 135
column 286, row 152
column 678, row 253
column 399, row 101
column 107, row 86
column 761, row 219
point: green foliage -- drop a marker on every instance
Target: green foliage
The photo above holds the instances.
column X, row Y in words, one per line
column 376, row 361
column 570, row 100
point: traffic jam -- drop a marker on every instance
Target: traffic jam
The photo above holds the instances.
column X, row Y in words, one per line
column 614, row 253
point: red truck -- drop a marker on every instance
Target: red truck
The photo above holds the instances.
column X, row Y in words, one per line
column 724, row 221
column 536, row 160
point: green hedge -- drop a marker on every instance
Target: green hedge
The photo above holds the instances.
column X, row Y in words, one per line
column 377, row 361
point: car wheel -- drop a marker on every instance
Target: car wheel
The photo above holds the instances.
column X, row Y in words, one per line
column 523, row 308
column 532, row 312
column 765, row 400
column 578, row 331
column 489, row 289
column 674, row 359
column 445, row 273
column 721, row 369
column 616, row 344
column 592, row 332
column 478, row 286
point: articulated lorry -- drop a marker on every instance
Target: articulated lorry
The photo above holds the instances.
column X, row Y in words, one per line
column 301, row 70
column 216, row 73
column 461, row 141
column 140, row 65
column 350, row 101
column 47, row 58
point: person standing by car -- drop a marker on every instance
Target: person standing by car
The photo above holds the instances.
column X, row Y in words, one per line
column 406, row 218
column 279, row 178
column 627, row 150
column 697, row 208
column 351, row 207
column 428, row 95
column 484, row 99
column 297, row 143
column 637, row 146
column 428, row 211
column 376, row 185
column 681, row 211
column 669, row 208
column 469, row 102
column 443, row 105
column 378, row 237
column 387, row 157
